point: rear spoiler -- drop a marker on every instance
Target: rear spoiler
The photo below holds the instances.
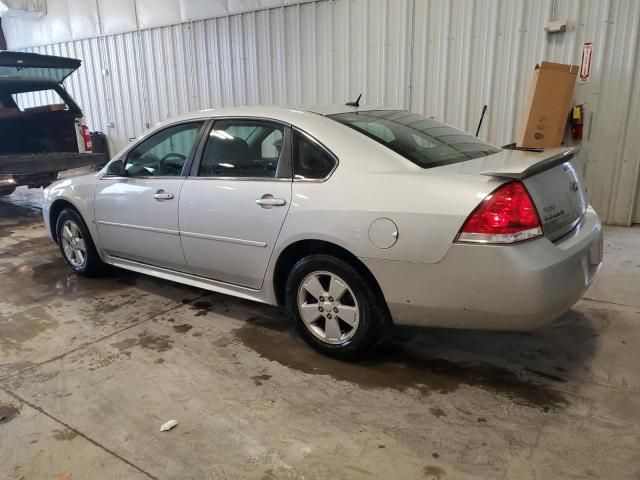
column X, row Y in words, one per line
column 519, row 164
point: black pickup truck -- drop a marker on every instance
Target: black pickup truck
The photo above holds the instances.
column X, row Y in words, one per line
column 42, row 130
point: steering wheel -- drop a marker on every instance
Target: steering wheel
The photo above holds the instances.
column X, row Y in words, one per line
column 174, row 165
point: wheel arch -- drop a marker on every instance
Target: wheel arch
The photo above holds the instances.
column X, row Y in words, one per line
column 55, row 210
column 302, row 248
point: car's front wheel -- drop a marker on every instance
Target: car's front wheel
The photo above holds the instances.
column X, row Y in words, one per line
column 76, row 245
column 335, row 309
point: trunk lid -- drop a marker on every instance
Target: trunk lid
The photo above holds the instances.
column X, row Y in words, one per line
column 32, row 66
column 555, row 185
column 560, row 197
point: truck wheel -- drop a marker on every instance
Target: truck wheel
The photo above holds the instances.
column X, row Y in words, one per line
column 334, row 308
column 76, row 245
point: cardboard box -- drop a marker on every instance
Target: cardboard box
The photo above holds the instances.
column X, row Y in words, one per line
column 547, row 106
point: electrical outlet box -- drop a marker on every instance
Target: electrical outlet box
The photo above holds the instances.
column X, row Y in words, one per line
column 556, row 26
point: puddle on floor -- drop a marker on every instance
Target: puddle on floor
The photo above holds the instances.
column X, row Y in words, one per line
column 395, row 365
column 18, row 211
column 8, row 413
column 184, row 328
column 64, row 435
column 160, row 343
column 27, row 246
column 31, row 263
column 37, row 281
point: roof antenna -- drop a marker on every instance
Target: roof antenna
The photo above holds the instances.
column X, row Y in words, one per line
column 354, row 104
column 484, row 110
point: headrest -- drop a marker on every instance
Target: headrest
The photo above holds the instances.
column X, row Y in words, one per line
column 229, row 150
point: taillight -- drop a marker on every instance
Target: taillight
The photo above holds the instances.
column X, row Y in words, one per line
column 87, row 138
column 508, row 215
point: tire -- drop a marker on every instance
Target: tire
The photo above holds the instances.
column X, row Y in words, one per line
column 7, row 191
column 348, row 327
column 77, row 239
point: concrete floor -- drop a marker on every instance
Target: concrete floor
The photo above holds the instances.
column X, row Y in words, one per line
column 90, row 369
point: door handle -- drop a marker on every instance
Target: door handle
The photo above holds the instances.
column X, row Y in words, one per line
column 161, row 195
column 267, row 201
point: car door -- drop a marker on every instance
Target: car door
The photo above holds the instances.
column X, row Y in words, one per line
column 234, row 203
column 137, row 210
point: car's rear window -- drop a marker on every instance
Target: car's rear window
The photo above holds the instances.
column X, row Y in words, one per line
column 424, row 141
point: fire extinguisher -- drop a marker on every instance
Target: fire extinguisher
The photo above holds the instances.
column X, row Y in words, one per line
column 577, row 122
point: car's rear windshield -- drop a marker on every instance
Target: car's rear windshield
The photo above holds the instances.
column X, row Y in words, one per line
column 424, row 141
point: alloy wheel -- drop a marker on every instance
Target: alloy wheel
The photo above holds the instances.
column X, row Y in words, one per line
column 328, row 307
column 73, row 244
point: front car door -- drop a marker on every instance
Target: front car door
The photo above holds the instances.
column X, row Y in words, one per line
column 234, row 203
column 137, row 213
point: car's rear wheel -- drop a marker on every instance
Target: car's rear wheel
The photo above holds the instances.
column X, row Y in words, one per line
column 76, row 245
column 335, row 309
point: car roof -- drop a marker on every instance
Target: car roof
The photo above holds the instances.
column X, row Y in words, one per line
column 286, row 114
column 311, row 118
column 336, row 108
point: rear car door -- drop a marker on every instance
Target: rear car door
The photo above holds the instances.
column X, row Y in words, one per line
column 137, row 213
column 234, row 203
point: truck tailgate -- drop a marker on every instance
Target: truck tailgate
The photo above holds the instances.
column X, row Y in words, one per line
column 20, row 164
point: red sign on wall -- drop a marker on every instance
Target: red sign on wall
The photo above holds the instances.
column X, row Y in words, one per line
column 585, row 61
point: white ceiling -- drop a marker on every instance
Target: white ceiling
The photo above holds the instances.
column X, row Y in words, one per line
column 32, row 9
column 77, row 19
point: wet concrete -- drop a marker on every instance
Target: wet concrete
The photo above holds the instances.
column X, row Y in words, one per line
column 398, row 365
column 90, row 368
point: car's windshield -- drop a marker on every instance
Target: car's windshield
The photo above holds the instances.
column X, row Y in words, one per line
column 424, row 141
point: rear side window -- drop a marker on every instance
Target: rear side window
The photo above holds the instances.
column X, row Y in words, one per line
column 310, row 160
column 244, row 148
column 39, row 101
column 422, row 140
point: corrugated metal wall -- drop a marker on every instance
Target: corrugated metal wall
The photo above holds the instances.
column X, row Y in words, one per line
column 446, row 58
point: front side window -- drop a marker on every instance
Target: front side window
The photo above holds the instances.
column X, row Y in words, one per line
column 243, row 148
column 164, row 153
column 310, row 160
column 424, row 141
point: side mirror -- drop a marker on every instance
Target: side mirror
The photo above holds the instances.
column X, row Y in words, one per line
column 116, row 169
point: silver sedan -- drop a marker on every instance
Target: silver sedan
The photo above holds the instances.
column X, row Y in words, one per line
column 353, row 218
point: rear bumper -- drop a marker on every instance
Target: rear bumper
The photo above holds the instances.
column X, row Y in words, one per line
column 497, row 287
